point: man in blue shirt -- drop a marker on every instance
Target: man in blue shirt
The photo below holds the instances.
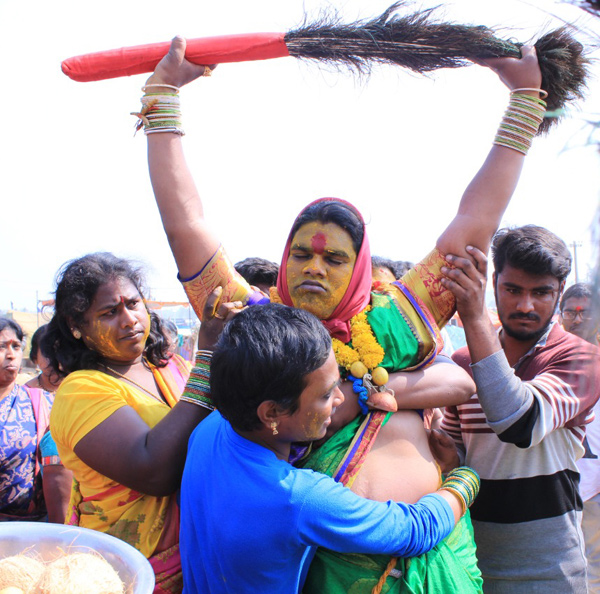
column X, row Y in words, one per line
column 250, row 521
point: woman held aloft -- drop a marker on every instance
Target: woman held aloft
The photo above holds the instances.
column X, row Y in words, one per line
column 326, row 270
column 24, row 414
column 118, row 420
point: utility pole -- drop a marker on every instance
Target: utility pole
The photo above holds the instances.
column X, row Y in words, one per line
column 575, row 245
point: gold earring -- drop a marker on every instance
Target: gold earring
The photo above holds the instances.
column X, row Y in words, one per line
column 76, row 334
column 274, row 427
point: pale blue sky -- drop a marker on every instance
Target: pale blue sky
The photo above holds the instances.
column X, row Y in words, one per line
column 263, row 139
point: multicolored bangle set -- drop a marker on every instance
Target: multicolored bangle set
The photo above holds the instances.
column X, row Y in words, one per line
column 161, row 112
column 464, row 483
column 197, row 389
column 521, row 121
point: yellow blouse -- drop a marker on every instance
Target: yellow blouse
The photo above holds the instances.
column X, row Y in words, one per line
column 84, row 400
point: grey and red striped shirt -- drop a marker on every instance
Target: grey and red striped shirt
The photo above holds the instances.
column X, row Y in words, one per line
column 523, row 432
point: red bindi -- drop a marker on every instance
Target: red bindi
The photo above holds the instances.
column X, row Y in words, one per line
column 122, row 299
column 318, row 242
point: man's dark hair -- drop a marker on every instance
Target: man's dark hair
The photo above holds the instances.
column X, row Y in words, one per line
column 379, row 262
column 577, row 291
column 532, row 249
column 258, row 271
column 265, row 353
column 402, row 267
column 397, row 267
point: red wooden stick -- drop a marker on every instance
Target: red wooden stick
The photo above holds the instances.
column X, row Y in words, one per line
column 144, row 58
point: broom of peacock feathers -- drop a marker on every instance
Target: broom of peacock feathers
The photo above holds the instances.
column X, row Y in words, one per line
column 415, row 41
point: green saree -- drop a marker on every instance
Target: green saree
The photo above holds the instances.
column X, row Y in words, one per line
column 450, row 567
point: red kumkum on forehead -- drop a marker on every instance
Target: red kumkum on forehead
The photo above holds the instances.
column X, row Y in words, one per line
column 318, row 242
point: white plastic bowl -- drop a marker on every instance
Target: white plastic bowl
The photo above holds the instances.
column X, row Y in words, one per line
column 48, row 540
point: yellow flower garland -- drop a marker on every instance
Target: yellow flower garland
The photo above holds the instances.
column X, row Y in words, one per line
column 365, row 347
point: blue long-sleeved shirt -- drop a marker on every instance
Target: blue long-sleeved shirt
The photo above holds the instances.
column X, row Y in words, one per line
column 251, row 523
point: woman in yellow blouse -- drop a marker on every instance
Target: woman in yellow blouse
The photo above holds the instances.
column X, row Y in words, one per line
column 118, row 421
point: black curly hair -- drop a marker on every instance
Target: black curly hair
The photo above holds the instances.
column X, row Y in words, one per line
column 77, row 283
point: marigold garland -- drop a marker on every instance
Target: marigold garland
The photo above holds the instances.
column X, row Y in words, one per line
column 364, row 347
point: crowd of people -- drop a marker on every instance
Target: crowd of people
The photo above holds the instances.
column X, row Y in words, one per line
column 322, row 440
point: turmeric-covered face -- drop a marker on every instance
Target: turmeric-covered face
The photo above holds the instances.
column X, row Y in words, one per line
column 117, row 323
column 319, row 267
column 316, row 405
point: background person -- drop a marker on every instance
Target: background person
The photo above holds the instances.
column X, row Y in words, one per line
column 384, row 270
column 388, row 271
column 24, row 414
column 259, row 273
column 577, row 316
column 47, row 379
column 57, row 479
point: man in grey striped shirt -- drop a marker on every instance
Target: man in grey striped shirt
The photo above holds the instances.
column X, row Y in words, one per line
column 523, row 430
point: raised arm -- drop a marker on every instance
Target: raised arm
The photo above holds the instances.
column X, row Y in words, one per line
column 190, row 237
column 487, row 196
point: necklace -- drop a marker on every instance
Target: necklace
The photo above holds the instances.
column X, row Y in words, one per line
column 364, row 349
column 127, row 379
column 42, row 381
